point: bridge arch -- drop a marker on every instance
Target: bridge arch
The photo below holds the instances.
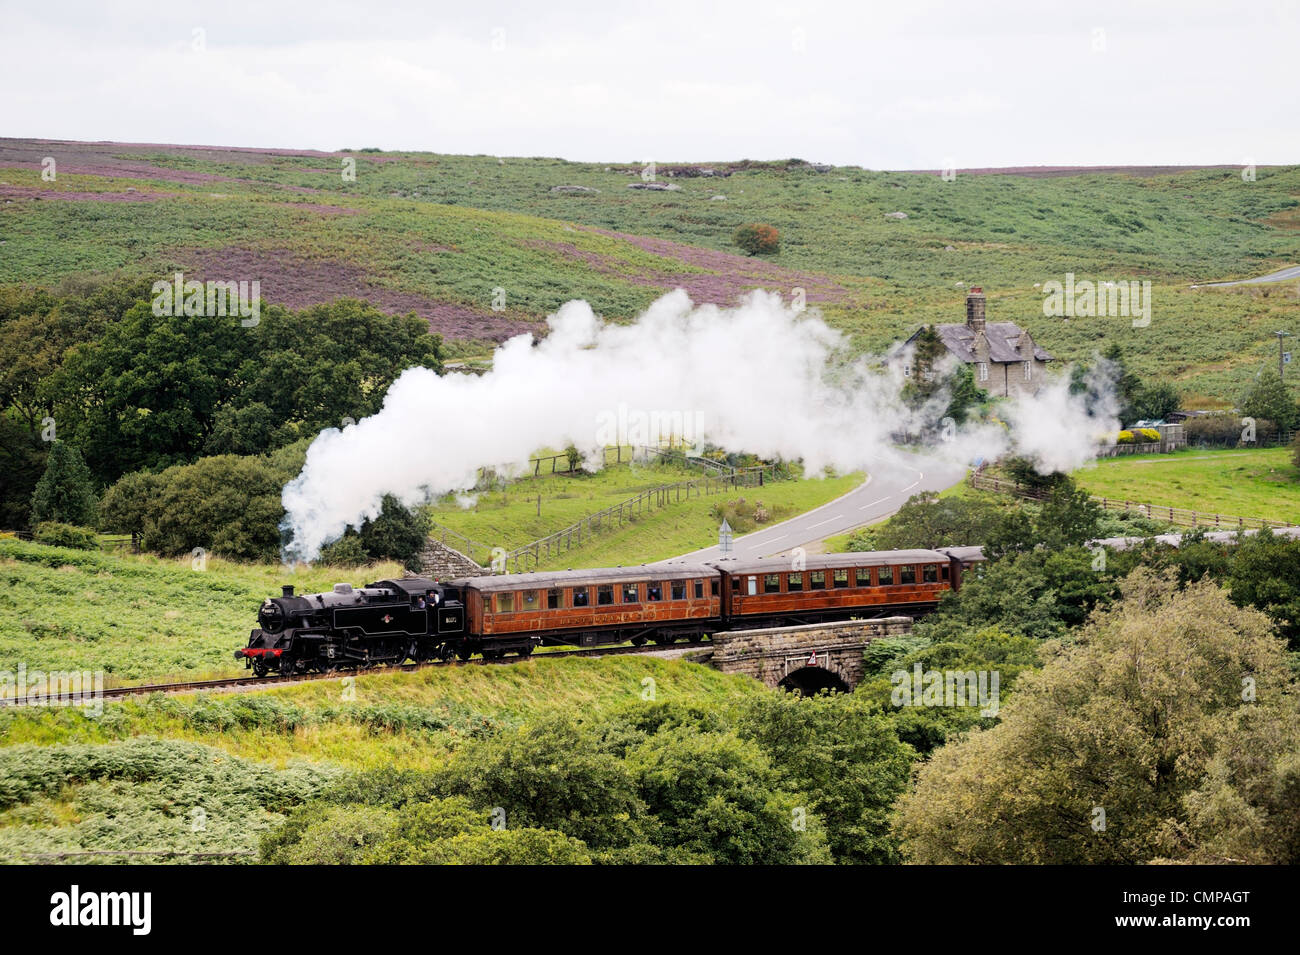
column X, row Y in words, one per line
column 811, row 680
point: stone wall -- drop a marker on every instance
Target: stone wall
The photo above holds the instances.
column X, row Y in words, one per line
column 441, row 562
column 771, row 655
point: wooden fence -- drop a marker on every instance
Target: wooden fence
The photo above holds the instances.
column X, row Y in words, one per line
column 1181, row 516
column 529, row 556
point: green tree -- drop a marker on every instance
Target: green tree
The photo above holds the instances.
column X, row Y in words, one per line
column 66, row 491
column 397, row 533
column 1099, row 756
column 928, row 520
column 845, row 757
column 1268, row 398
column 1068, row 516
column 226, row 504
column 1156, row 402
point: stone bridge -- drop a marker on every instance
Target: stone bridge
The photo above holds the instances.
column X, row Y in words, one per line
column 805, row 659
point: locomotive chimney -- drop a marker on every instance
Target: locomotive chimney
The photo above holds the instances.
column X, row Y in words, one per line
column 975, row 309
column 286, row 590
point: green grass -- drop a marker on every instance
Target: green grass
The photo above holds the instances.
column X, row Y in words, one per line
column 410, row 720
column 138, row 617
column 1262, row 483
column 455, row 227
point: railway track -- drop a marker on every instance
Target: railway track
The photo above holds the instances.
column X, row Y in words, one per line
column 257, row 683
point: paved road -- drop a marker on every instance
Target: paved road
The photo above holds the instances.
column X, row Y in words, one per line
column 881, row 495
column 1292, row 272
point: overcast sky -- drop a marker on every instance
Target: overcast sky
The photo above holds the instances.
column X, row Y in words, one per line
column 909, row 84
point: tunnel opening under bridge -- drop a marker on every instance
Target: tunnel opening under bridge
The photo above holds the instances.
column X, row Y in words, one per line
column 811, row 680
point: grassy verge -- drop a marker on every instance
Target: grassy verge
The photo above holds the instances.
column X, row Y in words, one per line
column 1262, row 483
column 138, row 617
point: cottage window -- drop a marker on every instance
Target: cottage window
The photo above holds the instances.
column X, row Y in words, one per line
column 1029, row 370
column 984, row 370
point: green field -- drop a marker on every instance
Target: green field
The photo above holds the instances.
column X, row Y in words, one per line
column 1263, row 483
column 138, row 617
column 421, row 231
column 509, row 518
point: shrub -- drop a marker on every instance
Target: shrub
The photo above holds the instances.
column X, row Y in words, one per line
column 1151, row 434
column 65, row 535
column 66, row 491
column 1125, row 437
column 757, row 238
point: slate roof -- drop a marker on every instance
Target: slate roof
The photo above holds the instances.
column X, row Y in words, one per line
column 1002, row 337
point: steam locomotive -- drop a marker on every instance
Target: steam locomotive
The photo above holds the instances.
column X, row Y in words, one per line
column 391, row 621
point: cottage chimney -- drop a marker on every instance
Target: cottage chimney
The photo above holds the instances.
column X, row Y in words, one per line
column 975, row 309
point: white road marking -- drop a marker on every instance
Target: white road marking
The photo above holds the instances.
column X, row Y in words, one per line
column 873, row 504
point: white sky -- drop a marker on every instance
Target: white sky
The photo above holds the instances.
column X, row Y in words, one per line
column 908, row 84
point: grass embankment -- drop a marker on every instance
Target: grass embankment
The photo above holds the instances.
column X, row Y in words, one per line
column 1260, row 483
column 210, row 773
column 509, row 518
column 139, row 617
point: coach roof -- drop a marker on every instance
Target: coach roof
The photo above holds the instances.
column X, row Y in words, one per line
column 576, row 578
column 875, row 558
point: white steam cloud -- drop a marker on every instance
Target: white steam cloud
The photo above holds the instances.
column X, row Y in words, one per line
column 759, row 378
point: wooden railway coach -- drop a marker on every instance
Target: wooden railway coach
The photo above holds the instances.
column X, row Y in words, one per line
column 590, row 607
column 837, row 586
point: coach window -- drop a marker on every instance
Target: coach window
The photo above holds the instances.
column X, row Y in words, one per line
column 886, row 575
column 907, row 574
column 530, row 600
column 604, row 595
column 699, row 589
column 735, row 586
column 930, row 573
column 679, row 590
column 794, row 583
column 841, row 578
column 654, row 592
column 771, row 583
column 817, row 580
column 713, row 586
column 581, row 597
column 505, row 603
column 554, row 599
column 630, row 594
column 862, row 576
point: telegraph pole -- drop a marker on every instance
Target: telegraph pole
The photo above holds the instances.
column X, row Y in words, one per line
column 1281, row 364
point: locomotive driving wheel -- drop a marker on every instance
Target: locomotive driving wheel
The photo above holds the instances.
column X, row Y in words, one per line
column 259, row 669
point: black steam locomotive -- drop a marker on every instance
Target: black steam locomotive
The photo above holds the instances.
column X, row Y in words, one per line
column 383, row 623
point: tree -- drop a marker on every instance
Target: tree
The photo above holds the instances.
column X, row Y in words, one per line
column 1268, row 398
column 1156, row 402
column 1265, row 574
column 757, row 238
column 66, row 491
column 398, row 533
column 1100, row 757
column 1127, row 385
column 928, row 520
column 845, row 757
column 1068, row 516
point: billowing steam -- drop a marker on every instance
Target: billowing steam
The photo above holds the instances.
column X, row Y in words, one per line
column 758, row 378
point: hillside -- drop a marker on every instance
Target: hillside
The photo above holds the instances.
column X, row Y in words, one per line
column 442, row 235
